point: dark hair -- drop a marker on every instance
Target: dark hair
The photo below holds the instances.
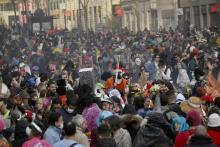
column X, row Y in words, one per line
column 114, row 122
column 20, row 129
column 43, row 77
column 69, row 128
column 35, row 126
column 163, row 99
column 139, row 102
column 54, row 117
column 129, row 109
column 161, row 63
column 217, row 102
column 50, row 83
column 56, row 101
column 104, row 131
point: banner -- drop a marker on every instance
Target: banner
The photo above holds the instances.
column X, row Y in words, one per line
column 117, row 10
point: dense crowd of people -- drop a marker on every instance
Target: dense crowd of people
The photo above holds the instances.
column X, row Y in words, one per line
column 149, row 89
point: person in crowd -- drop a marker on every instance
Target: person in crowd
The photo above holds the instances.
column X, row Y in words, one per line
column 200, row 138
column 91, row 111
column 69, row 138
column 35, row 133
column 107, row 104
column 152, row 132
column 163, row 72
column 67, row 111
column 51, row 89
column 148, row 107
column 214, row 128
column 116, row 82
column 53, row 134
column 120, row 135
column 130, row 120
column 193, row 119
column 20, row 135
column 3, row 141
column 105, row 137
column 81, row 126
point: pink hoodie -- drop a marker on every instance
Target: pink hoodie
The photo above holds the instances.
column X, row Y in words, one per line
column 36, row 142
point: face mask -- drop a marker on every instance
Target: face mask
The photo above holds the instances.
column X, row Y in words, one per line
column 28, row 131
column 69, row 110
column 61, row 126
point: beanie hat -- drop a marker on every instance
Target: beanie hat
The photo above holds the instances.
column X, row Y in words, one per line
column 156, row 118
column 103, row 115
column 214, row 120
column 193, row 117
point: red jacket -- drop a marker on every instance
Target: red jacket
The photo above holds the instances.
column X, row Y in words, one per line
column 182, row 138
column 215, row 135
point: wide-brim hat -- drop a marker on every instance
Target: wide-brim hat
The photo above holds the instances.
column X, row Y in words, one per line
column 193, row 103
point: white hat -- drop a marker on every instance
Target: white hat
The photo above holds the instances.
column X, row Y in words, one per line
column 115, row 92
column 180, row 98
column 214, row 120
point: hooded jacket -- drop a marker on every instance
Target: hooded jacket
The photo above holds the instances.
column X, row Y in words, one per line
column 149, row 136
column 131, row 123
column 122, row 138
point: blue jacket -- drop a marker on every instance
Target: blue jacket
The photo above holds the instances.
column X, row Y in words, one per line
column 52, row 135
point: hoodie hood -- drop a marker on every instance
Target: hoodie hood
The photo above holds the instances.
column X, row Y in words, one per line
column 130, row 120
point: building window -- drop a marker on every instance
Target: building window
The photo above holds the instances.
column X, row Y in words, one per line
column 204, row 15
column 74, row 18
column 196, row 16
column 100, row 13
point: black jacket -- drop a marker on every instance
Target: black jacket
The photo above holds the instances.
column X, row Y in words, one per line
column 200, row 141
column 151, row 136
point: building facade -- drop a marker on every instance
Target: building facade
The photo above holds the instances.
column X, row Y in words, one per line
column 200, row 13
column 151, row 14
column 7, row 13
column 73, row 14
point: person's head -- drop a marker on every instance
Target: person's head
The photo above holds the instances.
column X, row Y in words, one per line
column 107, row 104
column 201, row 131
column 157, row 58
column 56, row 120
column 70, row 105
column 20, row 129
column 25, row 97
column 129, row 109
column 147, row 103
column 43, row 77
column 56, row 105
column 69, row 128
column 64, row 74
column 104, row 131
column 80, row 122
column 114, row 122
column 161, row 64
column 52, row 86
column 36, row 128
